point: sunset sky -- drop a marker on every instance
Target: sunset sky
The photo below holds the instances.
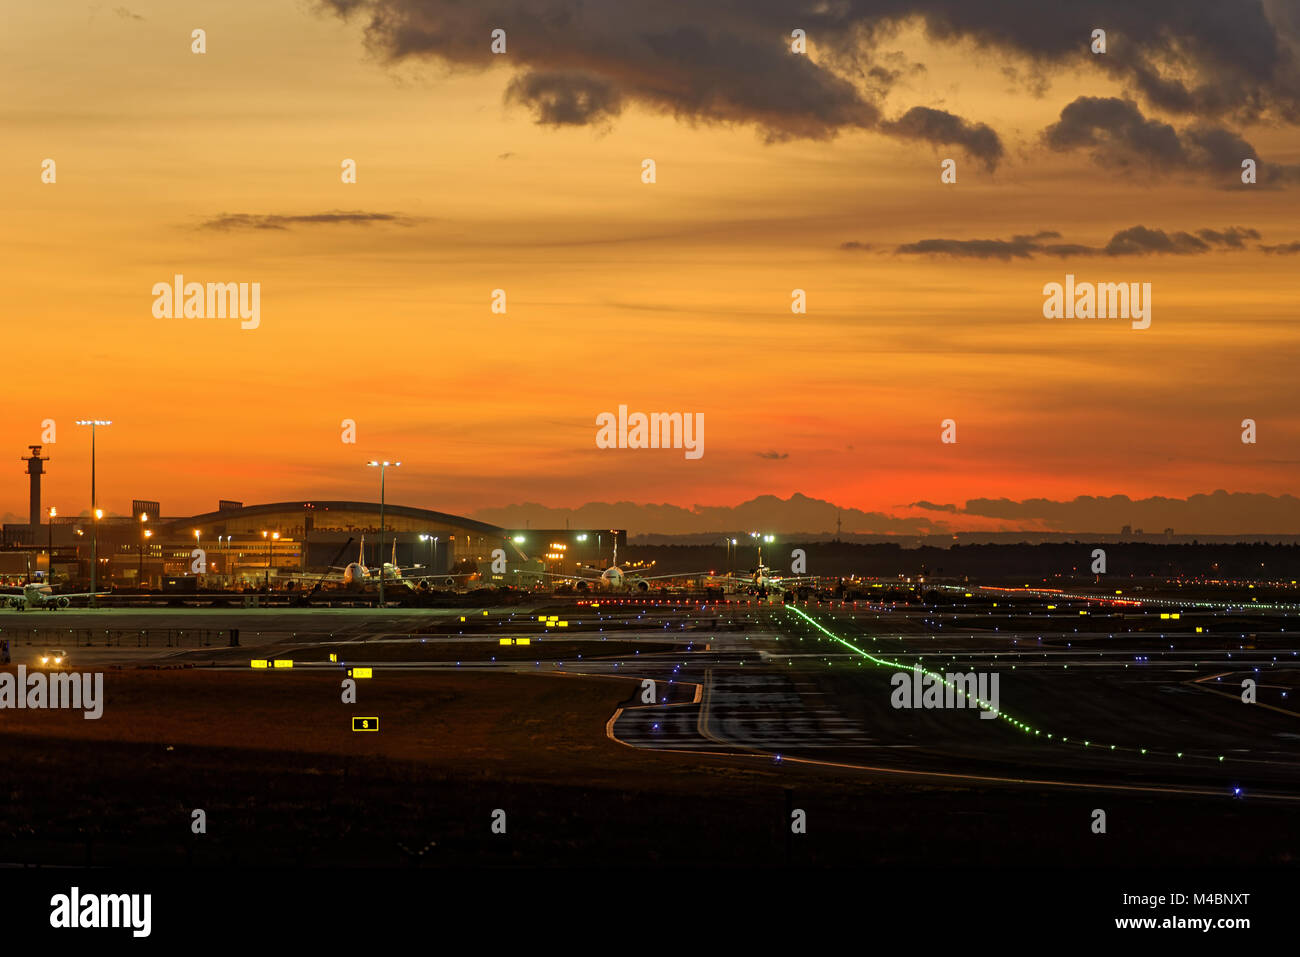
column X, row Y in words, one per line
column 775, row 171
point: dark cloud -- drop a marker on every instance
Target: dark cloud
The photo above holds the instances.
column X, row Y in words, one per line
column 1138, row 240
column 884, row 77
column 1034, row 81
column 709, row 62
column 853, row 244
column 1283, row 249
column 1202, row 57
column 584, row 62
column 946, row 129
column 1134, row 241
column 773, row 454
column 718, row 60
column 1117, row 129
column 1233, row 236
column 581, row 63
column 888, row 69
column 228, row 221
column 1119, row 135
column 1017, row 247
column 126, row 14
column 566, row 99
column 933, row 507
column 974, row 248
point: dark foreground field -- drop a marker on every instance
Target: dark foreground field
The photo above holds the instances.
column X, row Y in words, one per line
column 271, row 759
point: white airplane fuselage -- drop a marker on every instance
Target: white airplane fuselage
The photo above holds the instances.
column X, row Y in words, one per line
column 36, row 596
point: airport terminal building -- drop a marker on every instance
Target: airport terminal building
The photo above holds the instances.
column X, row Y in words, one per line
column 247, row 545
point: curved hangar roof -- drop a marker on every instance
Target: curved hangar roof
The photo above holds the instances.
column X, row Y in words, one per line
column 341, row 516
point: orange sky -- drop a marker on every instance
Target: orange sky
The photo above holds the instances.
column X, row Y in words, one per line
column 666, row 297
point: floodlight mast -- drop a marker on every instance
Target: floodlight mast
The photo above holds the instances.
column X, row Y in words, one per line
column 383, row 468
column 94, row 505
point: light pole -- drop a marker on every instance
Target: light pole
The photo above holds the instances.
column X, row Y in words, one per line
column 49, row 558
column 94, row 510
column 270, row 537
column 383, row 468
column 729, row 544
column 144, row 533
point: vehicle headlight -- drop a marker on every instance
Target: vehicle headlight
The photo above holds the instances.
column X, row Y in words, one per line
column 45, row 661
column 58, row 661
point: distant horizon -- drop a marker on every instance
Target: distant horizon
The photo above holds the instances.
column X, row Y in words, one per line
column 1219, row 514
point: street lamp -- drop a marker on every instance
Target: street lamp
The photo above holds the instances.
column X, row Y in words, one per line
column 144, row 533
column 95, row 513
column 383, row 468
column 139, row 575
column 49, row 558
column 729, row 547
column 271, row 538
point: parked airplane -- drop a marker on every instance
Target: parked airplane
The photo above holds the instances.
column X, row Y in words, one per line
column 35, row 596
column 614, row 578
column 359, row 573
column 762, row 582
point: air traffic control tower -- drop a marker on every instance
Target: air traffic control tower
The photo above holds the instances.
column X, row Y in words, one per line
column 36, row 468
